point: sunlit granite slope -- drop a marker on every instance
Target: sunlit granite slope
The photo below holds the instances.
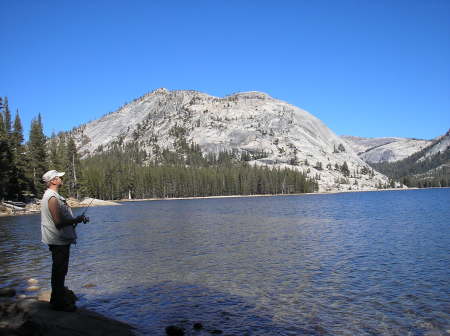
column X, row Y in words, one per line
column 250, row 122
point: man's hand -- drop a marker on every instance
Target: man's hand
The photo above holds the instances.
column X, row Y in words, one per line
column 82, row 218
column 56, row 216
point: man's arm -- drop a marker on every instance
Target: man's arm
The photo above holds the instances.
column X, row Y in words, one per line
column 53, row 206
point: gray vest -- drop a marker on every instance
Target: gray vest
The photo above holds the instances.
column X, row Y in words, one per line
column 50, row 234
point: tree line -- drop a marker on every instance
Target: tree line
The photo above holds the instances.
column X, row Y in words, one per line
column 120, row 173
column 126, row 171
column 21, row 164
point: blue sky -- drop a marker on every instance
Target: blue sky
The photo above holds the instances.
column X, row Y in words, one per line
column 365, row 68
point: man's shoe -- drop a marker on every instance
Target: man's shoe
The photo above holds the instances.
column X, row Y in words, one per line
column 68, row 293
column 64, row 307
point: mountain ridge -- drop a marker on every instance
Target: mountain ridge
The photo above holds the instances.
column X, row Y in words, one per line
column 429, row 167
column 245, row 122
column 389, row 149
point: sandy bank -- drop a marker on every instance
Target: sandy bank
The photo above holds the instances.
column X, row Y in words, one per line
column 92, row 202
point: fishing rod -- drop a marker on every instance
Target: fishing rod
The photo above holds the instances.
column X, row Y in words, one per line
column 86, row 219
column 86, row 209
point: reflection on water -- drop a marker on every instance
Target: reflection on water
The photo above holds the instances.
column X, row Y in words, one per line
column 346, row 264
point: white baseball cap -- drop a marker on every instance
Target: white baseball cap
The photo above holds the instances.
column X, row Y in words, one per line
column 51, row 174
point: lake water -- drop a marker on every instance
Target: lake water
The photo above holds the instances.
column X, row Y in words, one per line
column 371, row 263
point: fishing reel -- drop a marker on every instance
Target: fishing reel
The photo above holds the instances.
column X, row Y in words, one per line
column 82, row 219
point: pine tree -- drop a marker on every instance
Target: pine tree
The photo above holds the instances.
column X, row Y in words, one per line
column 37, row 155
column 19, row 183
column 7, row 117
column 54, row 157
column 344, row 169
column 8, row 152
column 5, row 160
column 17, row 133
column 72, row 165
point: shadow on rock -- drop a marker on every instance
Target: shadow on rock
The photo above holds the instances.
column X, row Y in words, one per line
column 30, row 317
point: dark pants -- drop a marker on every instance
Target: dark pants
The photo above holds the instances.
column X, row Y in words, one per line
column 60, row 266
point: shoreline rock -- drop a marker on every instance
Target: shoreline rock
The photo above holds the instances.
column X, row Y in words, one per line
column 7, row 292
column 29, row 317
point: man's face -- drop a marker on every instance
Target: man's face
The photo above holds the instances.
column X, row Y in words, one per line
column 57, row 181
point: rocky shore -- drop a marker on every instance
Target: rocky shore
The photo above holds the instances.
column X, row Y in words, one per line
column 32, row 316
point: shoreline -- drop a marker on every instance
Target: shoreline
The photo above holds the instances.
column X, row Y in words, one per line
column 118, row 202
column 271, row 195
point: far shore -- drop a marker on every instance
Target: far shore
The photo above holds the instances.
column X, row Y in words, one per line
column 269, row 195
column 96, row 203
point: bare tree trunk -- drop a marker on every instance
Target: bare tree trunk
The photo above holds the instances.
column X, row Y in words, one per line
column 74, row 176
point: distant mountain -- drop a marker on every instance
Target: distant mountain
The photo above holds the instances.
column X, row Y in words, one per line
column 375, row 150
column 428, row 167
column 438, row 146
column 266, row 130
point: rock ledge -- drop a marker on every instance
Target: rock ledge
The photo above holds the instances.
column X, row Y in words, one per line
column 30, row 317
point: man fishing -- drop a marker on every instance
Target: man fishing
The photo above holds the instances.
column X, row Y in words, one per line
column 58, row 232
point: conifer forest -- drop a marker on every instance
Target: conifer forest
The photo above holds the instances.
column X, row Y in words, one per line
column 126, row 171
